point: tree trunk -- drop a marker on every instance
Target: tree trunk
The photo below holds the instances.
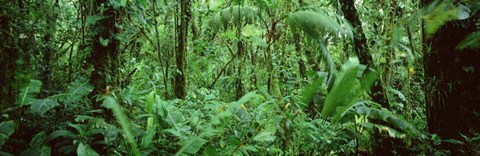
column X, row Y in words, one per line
column 350, row 12
column 182, row 31
column 103, row 57
column 8, row 57
column 48, row 51
column 452, row 84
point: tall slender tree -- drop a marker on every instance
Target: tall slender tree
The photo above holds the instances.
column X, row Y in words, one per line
column 182, row 31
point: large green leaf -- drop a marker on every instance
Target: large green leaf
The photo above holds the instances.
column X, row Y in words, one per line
column 41, row 106
column 27, row 93
column 6, row 129
column 351, row 82
column 341, row 93
column 79, row 88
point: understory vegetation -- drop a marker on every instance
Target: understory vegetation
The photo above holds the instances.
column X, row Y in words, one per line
column 239, row 77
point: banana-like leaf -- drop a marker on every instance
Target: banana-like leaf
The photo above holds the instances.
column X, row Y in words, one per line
column 6, row 129
column 27, row 93
column 78, row 89
column 41, row 106
column 341, row 93
column 352, row 82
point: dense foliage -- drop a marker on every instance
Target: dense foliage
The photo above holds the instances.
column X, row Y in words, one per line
column 239, row 77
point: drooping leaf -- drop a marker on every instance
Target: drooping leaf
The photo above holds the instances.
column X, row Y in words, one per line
column 233, row 16
column 318, row 24
column 41, row 106
column 393, row 120
column 27, row 93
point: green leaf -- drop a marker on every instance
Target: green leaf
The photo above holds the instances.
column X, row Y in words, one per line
column 471, row 41
column 259, row 41
column 85, row 150
column 78, row 89
column 61, row 133
column 192, row 145
column 44, row 151
column 309, row 91
column 393, row 120
column 235, row 15
column 437, row 14
column 41, row 106
column 27, row 93
column 112, row 104
column 351, row 82
column 91, row 20
column 210, row 151
column 7, row 128
column 264, row 136
column 149, row 102
column 341, row 93
column 318, row 24
column 38, row 140
column 103, row 42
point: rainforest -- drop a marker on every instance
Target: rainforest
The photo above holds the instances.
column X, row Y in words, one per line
column 239, row 77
